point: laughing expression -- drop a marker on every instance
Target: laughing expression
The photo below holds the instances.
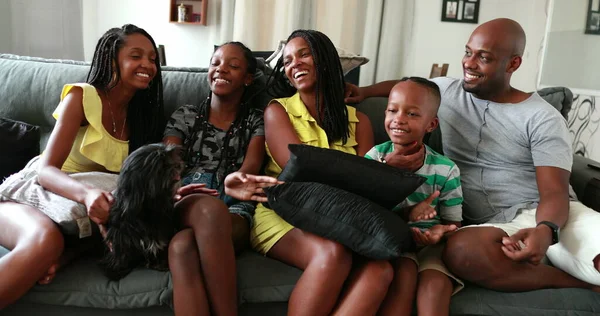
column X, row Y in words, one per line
column 411, row 112
column 484, row 65
column 137, row 62
column 299, row 64
column 228, row 70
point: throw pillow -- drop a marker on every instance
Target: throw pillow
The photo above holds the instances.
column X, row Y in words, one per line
column 21, row 142
column 349, row 60
column 355, row 222
column 71, row 216
column 378, row 182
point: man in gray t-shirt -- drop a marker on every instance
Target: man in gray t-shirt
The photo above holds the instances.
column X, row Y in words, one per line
column 515, row 156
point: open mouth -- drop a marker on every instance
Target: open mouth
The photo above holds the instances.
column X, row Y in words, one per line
column 471, row 77
column 221, row 81
column 300, row 74
column 143, row 75
column 398, row 131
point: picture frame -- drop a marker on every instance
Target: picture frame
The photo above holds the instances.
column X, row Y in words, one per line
column 592, row 21
column 462, row 11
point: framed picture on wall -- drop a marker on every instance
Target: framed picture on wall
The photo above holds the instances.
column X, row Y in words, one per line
column 464, row 11
column 592, row 24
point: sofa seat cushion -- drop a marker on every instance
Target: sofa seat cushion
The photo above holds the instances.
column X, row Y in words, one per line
column 264, row 280
column 474, row 300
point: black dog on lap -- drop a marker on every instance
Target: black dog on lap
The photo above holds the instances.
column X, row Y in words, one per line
column 141, row 220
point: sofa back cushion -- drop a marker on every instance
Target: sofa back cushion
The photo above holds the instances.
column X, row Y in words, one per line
column 31, row 87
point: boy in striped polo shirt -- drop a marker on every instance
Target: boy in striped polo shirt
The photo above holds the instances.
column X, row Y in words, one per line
column 432, row 211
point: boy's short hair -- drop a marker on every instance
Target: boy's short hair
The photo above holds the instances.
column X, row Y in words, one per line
column 430, row 85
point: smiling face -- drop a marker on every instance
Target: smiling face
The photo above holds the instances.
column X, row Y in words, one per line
column 299, row 64
column 492, row 54
column 411, row 112
column 137, row 62
column 228, row 71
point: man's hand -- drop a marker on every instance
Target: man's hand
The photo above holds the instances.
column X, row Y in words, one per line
column 353, row 94
column 423, row 210
column 247, row 187
column 194, row 188
column 528, row 244
column 409, row 157
column 433, row 235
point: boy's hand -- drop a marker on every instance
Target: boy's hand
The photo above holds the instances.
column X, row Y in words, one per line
column 433, row 235
column 410, row 157
column 423, row 210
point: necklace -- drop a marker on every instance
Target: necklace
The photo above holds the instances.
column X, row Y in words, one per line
column 112, row 116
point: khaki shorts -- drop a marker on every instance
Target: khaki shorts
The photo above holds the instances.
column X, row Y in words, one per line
column 430, row 258
column 579, row 240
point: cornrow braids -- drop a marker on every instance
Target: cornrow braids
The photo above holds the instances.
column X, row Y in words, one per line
column 145, row 112
column 330, row 84
column 238, row 127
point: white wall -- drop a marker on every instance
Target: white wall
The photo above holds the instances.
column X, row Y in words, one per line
column 185, row 45
column 44, row 28
column 5, row 27
column 435, row 41
column 571, row 57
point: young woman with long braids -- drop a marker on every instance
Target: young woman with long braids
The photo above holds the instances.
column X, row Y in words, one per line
column 99, row 123
column 223, row 134
column 313, row 112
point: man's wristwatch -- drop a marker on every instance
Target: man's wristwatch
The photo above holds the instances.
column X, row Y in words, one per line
column 555, row 230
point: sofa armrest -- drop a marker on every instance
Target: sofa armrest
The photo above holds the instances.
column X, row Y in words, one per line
column 585, row 180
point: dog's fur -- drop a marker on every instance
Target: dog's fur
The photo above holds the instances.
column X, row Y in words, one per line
column 141, row 220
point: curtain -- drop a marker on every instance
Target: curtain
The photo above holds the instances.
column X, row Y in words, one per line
column 356, row 26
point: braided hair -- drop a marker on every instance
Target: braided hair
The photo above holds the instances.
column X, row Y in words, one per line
column 145, row 112
column 330, row 84
column 237, row 128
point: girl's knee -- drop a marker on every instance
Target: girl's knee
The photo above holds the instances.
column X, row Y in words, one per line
column 206, row 213
column 381, row 271
column 46, row 242
column 334, row 256
column 183, row 244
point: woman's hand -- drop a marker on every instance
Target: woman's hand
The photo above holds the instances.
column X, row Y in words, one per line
column 194, row 188
column 247, row 187
column 98, row 203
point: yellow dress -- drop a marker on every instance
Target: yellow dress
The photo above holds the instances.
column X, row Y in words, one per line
column 268, row 226
column 94, row 149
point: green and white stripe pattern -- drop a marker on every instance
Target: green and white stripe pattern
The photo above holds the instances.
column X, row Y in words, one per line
column 442, row 174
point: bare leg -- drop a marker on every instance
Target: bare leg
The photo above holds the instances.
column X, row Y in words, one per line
column 240, row 233
column 401, row 294
column 433, row 293
column 326, row 266
column 189, row 294
column 474, row 254
column 597, row 263
column 211, row 222
column 36, row 244
column 366, row 288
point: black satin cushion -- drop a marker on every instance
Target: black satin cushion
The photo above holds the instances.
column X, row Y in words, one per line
column 19, row 142
column 376, row 181
column 355, row 222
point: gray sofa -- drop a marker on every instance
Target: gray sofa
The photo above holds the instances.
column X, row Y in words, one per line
column 29, row 92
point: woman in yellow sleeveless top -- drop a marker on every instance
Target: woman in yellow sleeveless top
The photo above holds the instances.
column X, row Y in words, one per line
column 97, row 124
column 316, row 115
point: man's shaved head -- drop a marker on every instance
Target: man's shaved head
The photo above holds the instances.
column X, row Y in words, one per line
column 507, row 32
column 494, row 52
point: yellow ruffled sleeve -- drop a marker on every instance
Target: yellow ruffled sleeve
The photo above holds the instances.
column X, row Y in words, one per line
column 95, row 143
